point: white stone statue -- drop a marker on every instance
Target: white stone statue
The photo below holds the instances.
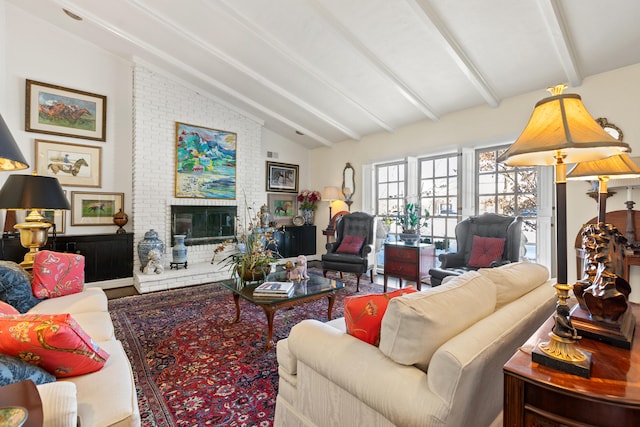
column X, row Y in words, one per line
column 155, row 263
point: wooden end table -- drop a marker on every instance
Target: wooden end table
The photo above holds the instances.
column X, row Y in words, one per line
column 24, row 394
column 536, row 395
column 410, row 262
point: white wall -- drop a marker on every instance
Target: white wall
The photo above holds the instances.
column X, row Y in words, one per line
column 612, row 95
column 69, row 62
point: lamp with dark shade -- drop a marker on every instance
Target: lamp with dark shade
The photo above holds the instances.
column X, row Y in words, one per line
column 560, row 131
column 32, row 192
column 10, row 156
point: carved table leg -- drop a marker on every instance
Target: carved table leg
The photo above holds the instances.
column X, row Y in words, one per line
column 332, row 299
column 269, row 312
column 236, row 300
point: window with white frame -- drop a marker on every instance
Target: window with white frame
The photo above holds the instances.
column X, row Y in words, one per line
column 439, row 184
column 508, row 190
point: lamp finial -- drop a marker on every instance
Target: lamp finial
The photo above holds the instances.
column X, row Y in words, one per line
column 557, row 89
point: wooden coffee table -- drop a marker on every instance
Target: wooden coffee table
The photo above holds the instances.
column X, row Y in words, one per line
column 311, row 289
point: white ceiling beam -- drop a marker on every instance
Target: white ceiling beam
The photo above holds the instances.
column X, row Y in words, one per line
column 386, row 71
column 552, row 14
column 266, row 37
column 175, row 62
column 430, row 18
column 171, row 25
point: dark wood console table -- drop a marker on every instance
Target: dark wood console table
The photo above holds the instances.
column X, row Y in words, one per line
column 535, row 395
column 106, row 256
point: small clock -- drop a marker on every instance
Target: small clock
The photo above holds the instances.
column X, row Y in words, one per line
column 298, row 220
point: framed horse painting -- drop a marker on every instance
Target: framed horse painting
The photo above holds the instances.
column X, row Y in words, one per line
column 57, row 110
column 95, row 208
column 74, row 165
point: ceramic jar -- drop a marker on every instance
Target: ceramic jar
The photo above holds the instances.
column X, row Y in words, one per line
column 308, row 215
column 151, row 241
column 179, row 250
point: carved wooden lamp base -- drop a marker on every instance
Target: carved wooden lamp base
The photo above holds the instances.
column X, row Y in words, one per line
column 618, row 333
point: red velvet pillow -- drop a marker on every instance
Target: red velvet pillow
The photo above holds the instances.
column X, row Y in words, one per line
column 56, row 274
column 485, row 250
column 363, row 314
column 54, row 342
column 350, row 245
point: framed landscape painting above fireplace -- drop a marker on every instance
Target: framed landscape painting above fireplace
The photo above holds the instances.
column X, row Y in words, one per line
column 205, row 162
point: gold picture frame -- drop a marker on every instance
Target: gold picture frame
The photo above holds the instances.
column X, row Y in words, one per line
column 74, row 165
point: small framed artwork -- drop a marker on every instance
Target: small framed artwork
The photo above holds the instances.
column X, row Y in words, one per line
column 282, row 177
column 282, row 207
column 55, row 217
column 95, row 208
column 73, row 164
column 205, row 162
column 58, row 110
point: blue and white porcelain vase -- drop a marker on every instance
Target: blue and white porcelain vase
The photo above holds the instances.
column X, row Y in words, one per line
column 308, row 215
column 150, row 242
column 179, row 250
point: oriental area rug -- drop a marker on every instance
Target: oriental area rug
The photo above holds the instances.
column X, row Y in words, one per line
column 194, row 367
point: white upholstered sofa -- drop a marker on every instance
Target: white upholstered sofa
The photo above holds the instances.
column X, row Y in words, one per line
column 439, row 362
column 103, row 398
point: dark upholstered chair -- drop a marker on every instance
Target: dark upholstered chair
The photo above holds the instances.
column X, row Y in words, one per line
column 360, row 258
column 485, row 225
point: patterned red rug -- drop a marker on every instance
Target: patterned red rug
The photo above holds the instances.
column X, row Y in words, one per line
column 193, row 367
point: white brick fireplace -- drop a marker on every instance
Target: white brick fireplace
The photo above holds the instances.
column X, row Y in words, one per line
column 159, row 102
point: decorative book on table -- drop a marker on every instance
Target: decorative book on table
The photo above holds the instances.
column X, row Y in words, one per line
column 274, row 289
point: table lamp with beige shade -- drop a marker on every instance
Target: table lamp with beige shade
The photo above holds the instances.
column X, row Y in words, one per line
column 560, row 131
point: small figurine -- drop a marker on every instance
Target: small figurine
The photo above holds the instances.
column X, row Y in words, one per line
column 155, row 263
column 300, row 271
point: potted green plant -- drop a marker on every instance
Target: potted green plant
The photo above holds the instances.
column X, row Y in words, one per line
column 253, row 257
column 411, row 221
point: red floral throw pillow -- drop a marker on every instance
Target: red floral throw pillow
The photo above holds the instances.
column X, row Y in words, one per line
column 54, row 342
column 7, row 308
column 485, row 250
column 350, row 245
column 56, row 274
column 363, row 314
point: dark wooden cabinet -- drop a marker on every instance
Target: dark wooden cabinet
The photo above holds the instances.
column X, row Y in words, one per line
column 106, row 256
column 536, row 395
column 410, row 262
column 294, row 241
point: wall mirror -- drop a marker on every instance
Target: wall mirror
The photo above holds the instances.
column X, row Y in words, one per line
column 610, row 128
column 348, row 183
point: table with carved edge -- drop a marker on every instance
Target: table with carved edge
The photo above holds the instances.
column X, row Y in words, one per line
column 312, row 289
column 536, row 395
column 25, row 394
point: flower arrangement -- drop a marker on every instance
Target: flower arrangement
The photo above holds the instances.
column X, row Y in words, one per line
column 308, row 199
column 253, row 255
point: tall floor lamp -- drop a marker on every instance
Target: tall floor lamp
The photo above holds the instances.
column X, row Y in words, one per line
column 560, row 131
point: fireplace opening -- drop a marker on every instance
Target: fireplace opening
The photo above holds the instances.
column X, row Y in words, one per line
column 203, row 225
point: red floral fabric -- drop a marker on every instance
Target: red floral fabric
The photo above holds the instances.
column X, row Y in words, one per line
column 363, row 314
column 485, row 250
column 54, row 342
column 56, row 274
column 7, row 308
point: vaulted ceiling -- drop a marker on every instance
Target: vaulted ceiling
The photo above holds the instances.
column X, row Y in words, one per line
column 335, row 70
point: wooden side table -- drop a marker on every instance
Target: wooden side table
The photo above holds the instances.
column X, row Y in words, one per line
column 536, row 395
column 24, row 394
column 410, row 262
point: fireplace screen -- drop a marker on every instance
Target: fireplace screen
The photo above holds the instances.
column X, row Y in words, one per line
column 203, row 224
